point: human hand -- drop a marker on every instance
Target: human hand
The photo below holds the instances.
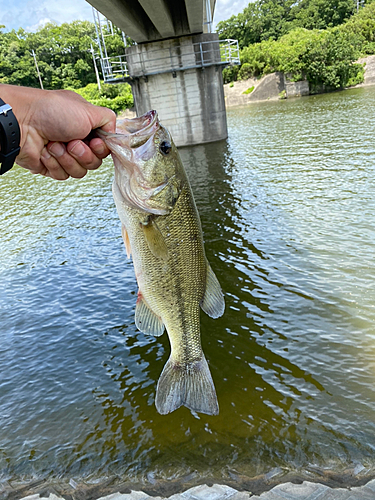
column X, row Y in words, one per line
column 54, row 126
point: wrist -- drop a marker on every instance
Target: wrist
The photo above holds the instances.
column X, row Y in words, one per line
column 9, row 137
column 21, row 99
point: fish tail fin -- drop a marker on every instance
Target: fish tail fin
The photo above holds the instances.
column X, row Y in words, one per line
column 187, row 384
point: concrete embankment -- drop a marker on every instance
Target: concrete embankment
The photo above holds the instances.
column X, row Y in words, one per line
column 275, row 86
column 369, row 62
column 286, row 491
column 269, row 87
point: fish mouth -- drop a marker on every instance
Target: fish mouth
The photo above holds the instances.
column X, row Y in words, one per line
column 132, row 132
column 130, row 145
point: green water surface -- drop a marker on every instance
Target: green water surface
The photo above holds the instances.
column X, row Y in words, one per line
column 287, row 205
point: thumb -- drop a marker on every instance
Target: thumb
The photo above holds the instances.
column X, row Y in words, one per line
column 103, row 118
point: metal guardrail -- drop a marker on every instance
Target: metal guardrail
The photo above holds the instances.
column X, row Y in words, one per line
column 158, row 61
column 114, row 68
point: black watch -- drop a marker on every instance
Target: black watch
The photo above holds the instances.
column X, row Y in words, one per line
column 10, row 136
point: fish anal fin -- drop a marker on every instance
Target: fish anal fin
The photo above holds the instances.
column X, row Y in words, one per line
column 125, row 237
column 146, row 320
column 155, row 240
column 213, row 301
column 187, row 385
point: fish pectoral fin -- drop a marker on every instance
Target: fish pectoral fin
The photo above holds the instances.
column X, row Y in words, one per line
column 125, row 237
column 146, row 320
column 188, row 384
column 213, row 301
column 155, row 240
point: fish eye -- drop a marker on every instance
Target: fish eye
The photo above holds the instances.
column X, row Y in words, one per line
column 165, row 147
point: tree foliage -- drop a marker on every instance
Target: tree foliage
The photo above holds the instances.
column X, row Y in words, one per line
column 325, row 55
column 62, row 52
column 362, row 27
column 116, row 97
column 270, row 19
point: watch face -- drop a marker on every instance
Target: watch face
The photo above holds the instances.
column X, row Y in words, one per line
column 9, row 137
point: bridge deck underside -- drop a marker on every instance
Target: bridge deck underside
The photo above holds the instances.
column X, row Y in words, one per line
column 150, row 20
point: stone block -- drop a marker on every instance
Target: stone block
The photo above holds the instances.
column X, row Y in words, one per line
column 204, row 492
column 133, row 495
column 242, row 495
column 370, row 486
column 338, row 494
column 290, row 491
column 369, row 76
column 32, row 497
column 297, row 89
column 269, row 87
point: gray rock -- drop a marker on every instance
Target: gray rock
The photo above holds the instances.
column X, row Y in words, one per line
column 133, row 495
column 204, row 492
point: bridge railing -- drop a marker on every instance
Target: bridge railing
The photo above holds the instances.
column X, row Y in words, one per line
column 114, row 68
column 152, row 61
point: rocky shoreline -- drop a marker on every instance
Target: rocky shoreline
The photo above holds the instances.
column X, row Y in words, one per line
column 288, row 491
column 276, row 86
column 357, row 481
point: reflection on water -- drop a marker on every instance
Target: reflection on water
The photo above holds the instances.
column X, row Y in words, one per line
column 287, row 207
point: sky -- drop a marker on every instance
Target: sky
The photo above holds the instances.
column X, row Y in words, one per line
column 30, row 14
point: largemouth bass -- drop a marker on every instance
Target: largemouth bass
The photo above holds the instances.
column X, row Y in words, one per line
column 161, row 229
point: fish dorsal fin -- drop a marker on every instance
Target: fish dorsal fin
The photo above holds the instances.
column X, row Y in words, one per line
column 146, row 320
column 155, row 240
column 125, row 237
column 213, row 301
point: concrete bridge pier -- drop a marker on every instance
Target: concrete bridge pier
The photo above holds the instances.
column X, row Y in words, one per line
column 181, row 79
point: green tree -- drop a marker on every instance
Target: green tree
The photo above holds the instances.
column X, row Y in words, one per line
column 324, row 57
column 116, row 97
column 62, row 51
column 321, row 14
column 271, row 19
column 259, row 21
column 362, row 26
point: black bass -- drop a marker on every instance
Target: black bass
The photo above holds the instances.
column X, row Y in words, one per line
column 161, row 229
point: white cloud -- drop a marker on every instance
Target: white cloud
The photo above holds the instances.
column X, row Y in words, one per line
column 40, row 24
column 225, row 9
column 28, row 13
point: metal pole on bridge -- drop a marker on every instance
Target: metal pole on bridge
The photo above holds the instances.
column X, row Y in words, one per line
column 37, row 69
column 96, row 69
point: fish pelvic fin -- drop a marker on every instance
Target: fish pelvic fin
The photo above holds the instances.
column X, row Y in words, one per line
column 187, row 385
column 213, row 301
column 125, row 237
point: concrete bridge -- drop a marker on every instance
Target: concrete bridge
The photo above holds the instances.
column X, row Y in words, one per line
column 176, row 65
column 151, row 20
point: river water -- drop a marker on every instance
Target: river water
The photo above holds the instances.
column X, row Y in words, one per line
column 288, row 211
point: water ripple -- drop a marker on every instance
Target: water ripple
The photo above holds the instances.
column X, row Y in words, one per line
column 287, row 208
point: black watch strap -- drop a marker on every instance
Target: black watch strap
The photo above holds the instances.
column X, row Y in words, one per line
column 9, row 137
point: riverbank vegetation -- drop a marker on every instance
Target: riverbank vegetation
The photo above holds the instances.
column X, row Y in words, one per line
column 116, row 97
column 65, row 61
column 317, row 40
